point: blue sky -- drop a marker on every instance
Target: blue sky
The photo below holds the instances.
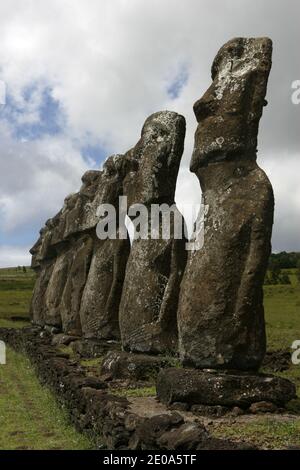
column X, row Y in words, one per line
column 81, row 78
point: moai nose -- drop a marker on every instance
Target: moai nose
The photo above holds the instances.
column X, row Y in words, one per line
column 206, row 105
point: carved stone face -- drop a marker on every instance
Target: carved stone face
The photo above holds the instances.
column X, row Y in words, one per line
column 90, row 181
column 229, row 112
column 152, row 166
column 110, row 184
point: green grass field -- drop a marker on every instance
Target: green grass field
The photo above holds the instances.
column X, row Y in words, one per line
column 29, row 415
column 282, row 310
column 15, row 293
column 33, row 420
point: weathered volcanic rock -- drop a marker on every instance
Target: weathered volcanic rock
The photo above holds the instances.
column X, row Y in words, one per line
column 75, row 282
column 56, row 287
column 220, row 315
column 155, row 266
column 195, row 386
column 91, row 348
column 103, row 288
column 120, row 365
column 62, row 339
column 80, row 277
column 37, row 305
column 81, row 205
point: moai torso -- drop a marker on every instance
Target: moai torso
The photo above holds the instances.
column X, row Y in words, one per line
column 60, row 264
column 220, row 314
column 102, row 291
column 43, row 261
column 78, row 253
column 155, row 266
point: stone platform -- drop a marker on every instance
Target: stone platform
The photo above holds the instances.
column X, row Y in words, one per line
column 212, row 387
column 102, row 407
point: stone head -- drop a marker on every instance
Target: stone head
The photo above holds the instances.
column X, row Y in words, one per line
column 110, row 184
column 90, row 181
column 228, row 114
column 152, row 165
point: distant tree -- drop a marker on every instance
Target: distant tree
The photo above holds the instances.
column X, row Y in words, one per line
column 284, row 260
column 298, row 271
column 24, row 269
column 284, row 278
column 274, row 272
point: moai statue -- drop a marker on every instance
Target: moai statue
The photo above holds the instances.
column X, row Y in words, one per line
column 44, row 255
column 77, row 217
column 78, row 257
column 43, row 267
column 61, row 262
column 221, row 315
column 155, row 266
column 103, row 288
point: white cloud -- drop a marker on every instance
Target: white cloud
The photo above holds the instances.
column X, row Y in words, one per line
column 35, row 177
column 109, row 64
column 11, row 256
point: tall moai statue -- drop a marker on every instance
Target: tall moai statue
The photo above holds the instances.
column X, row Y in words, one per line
column 221, row 315
column 80, row 277
column 79, row 253
column 51, row 259
column 102, row 292
column 42, row 263
column 155, row 266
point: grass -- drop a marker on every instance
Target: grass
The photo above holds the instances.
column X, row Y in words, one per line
column 16, row 289
column 135, row 392
column 33, row 420
column 29, row 415
column 263, row 431
column 94, row 362
column 282, row 310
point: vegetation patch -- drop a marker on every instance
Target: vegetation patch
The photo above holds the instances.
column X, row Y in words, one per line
column 135, row 392
column 29, row 414
column 263, row 431
column 16, row 286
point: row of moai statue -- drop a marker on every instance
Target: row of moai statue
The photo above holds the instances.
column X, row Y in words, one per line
column 155, row 295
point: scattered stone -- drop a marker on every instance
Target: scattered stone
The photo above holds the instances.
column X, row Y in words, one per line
column 52, row 330
column 179, row 406
column 89, row 348
column 189, row 436
column 122, row 365
column 218, row 388
column 149, row 430
column 262, row 407
column 277, row 361
column 237, row 411
column 62, row 339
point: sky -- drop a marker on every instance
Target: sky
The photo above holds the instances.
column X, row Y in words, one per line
column 80, row 77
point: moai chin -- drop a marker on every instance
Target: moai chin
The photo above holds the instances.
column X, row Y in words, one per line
column 221, row 315
column 155, row 266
